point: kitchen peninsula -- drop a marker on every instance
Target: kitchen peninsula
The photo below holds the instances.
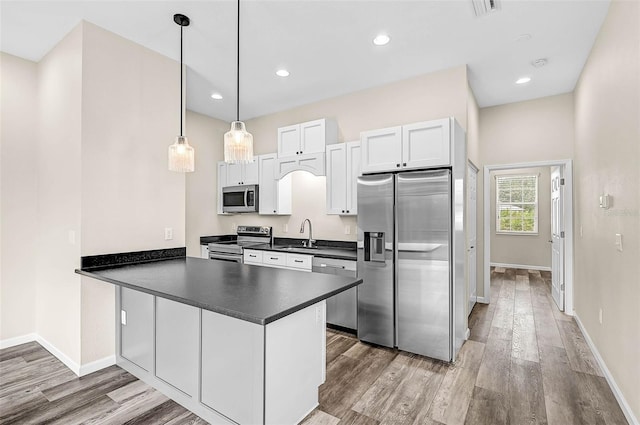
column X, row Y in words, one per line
column 233, row 343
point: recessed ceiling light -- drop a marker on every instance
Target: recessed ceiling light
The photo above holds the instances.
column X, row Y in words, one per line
column 381, row 40
column 523, row 80
column 282, row 73
column 216, row 96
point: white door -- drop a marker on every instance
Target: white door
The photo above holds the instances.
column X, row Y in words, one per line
column 381, row 149
column 353, row 172
column 472, row 208
column 268, row 195
column 234, row 174
column 312, row 136
column 289, row 141
column 250, row 174
column 557, row 237
column 426, row 144
column 336, row 178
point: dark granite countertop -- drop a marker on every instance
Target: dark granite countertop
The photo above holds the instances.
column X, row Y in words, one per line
column 253, row 293
column 324, row 248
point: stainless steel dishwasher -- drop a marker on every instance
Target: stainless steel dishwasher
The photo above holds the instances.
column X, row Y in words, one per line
column 342, row 308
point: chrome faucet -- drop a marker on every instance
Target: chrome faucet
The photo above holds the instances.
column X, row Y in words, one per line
column 309, row 242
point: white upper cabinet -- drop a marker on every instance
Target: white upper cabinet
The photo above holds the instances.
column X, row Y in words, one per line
column 381, row 149
column 343, row 169
column 306, row 138
column 426, row 144
column 242, row 174
column 419, row 145
column 222, row 182
column 312, row 162
column 274, row 196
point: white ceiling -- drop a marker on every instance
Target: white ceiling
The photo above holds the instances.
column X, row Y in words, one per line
column 326, row 45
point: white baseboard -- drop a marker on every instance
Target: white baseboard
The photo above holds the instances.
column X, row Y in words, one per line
column 482, row 300
column 94, row 366
column 73, row 366
column 521, row 266
column 467, row 334
column 23, row 339
column 626, row 409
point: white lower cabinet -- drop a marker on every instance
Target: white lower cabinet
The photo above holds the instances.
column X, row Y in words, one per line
column 232, row 367
column 281, row 260
column 177, row 344
column 136, row 328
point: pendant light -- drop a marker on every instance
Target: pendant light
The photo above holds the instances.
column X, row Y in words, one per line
column 181, row 154
column 238, row 143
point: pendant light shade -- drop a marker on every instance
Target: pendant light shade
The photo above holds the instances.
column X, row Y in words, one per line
column 238, row 143
column 181, row 154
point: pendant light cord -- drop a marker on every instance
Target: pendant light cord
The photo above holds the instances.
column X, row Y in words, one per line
column 238, row 69
column 181, row 78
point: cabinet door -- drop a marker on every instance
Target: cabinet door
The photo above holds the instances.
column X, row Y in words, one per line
column 136, row 333
column 252, row 256
column 426, row 144
column 336, row 178
column 353, row 171
column 233, row 367
column 250, row 173
column 275, row 194
column 222, row 182
column 381, row 149
column 177, row 344
column 234, row 174
column 289, row 141
column 312, row 136
column 204, row 251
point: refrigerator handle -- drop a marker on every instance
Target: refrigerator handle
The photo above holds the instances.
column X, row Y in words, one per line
column 374, row 246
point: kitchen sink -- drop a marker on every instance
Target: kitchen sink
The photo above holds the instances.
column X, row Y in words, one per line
column 295, row 248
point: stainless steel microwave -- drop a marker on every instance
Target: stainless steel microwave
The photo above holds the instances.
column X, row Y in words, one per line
column 240, row 199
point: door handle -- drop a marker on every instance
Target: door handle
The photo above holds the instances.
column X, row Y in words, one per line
column 246, row 197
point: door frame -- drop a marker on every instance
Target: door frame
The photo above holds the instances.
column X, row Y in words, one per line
column 567, row 168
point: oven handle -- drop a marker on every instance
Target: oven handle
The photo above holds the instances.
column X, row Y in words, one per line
column 225, row 257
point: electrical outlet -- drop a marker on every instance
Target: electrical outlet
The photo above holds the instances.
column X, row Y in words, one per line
column 347, row 230
column 72, row 237
column 233, row 227
column 285, row 228
column 619, row 241
column 168, row 233
column 580, row 230
column 600, row 316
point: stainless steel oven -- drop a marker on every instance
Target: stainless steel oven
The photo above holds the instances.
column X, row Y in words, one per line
column 240, row 199
column 247, row 237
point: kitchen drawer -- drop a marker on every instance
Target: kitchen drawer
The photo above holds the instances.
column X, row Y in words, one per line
column 274, row 259
column 252, row 256
column 299, row 261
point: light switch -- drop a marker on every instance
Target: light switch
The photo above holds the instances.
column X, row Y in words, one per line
column 168, row 233
column 347, row 230
column 619, row 241
column 72, row 237
column 605, row 201
column 285, row 228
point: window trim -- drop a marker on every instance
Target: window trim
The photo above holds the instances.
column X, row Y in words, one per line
column 535, row 232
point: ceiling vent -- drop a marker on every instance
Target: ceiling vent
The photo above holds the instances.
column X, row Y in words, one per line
column 484, row 7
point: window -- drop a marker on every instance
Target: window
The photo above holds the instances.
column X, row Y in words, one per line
column 517, row 204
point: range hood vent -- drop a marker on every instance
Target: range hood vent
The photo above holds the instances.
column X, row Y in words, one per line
column 484, row 7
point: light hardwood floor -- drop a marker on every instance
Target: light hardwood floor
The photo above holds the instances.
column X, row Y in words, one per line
column 525, row 363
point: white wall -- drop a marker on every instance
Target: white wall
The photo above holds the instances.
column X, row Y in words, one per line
column 59, row 192
column 534, row 130
column 527, row 250
column 18, row 196
column 607, row 147
column 430, row 96
column 130, row 116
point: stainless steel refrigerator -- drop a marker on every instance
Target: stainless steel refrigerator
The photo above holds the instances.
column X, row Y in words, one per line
column 412, row 292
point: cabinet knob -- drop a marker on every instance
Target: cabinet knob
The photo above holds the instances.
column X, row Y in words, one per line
column 342, row 210
column 274, row 211
column 347, row 211
column 404, row 164
column 300, row 152
column 297, row 153
column 398, row 165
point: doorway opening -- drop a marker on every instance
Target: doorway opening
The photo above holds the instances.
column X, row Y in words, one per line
column 557, row 240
